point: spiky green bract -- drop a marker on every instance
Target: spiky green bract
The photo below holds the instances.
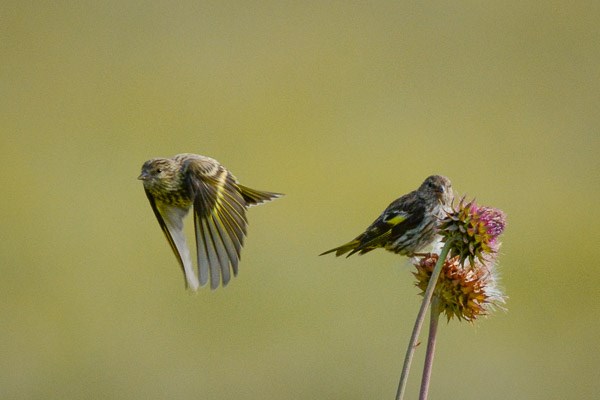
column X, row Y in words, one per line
column 473, row 230
column 465, row 292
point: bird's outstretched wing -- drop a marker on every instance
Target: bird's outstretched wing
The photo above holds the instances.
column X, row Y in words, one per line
column 219, row 219
column 170, row 219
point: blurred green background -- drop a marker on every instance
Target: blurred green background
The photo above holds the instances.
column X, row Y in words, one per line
column 343, row 106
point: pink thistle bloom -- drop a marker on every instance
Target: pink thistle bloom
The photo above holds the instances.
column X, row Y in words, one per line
column 473, row 230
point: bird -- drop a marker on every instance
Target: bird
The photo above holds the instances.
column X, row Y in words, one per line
column 174, row 186
column 408, row 225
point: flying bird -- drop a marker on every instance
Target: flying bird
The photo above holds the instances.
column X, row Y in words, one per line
column 174, row 185
column 408, row 225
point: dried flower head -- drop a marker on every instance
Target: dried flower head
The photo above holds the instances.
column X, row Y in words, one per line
column 473, row 230
column 463, row 291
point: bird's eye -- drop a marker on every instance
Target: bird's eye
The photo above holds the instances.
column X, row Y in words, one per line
column 158, row 170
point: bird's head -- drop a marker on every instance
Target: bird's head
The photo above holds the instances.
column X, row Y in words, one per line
column 440, row 186
column 158, row 173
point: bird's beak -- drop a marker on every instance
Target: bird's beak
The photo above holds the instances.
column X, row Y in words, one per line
column 441, row 193
column 144, row 176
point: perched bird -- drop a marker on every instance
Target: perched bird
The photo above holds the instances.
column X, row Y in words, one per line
column 408, row 224
column 173, row 185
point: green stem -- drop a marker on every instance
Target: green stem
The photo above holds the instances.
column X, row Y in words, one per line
column 434, row 316
column 412, row 344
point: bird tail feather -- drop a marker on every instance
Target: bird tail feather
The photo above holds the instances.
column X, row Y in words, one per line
column 254, row 197
column 343, row 249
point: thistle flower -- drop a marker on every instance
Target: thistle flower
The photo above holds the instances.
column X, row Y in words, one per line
column 473, row 230
column 461, row 281
column 465, row 292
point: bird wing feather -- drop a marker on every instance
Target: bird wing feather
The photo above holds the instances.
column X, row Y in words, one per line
column 170, row 219
column 219, row 218
column 396, row 219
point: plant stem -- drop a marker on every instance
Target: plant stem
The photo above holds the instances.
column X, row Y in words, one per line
column 434, row 315
column 412, row 344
